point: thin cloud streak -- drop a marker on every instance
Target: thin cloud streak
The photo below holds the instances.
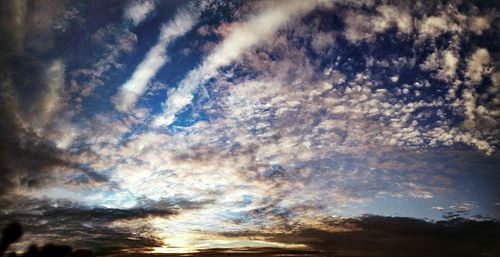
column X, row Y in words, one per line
column 129, row 92
column 242, row 37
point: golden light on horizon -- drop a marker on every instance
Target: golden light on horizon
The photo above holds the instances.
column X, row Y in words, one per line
column 182, row 245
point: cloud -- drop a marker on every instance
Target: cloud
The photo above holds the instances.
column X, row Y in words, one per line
column 322, row 41
column 13, row 22
column 364, row 26
column 84, row 229
column 450, row 64
column 393, row 14
column 240, row 38
column 31, row 152
column 25, row 158
column 138, row 10
column 444, row 63
column 31, row 26
column 433, row 26
column 438, row 208
column 36, row 126
column 104, row 230
column 154, row 60
column 479, row 24
column 478, row 65
column 51, row 99
column 388, row 236
column 113, row 41
column 302, row 119
column 464, row 207
column 29, row 165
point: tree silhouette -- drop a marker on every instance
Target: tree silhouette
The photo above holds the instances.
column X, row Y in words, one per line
column 13, row 233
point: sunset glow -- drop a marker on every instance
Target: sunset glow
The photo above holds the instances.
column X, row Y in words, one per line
column 264, row 128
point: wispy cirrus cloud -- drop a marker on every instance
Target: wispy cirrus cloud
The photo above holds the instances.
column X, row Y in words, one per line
column 154, row 60
column 241, row 37
column 115, row 40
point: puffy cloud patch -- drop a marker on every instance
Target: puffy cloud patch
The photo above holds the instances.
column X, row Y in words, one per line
column 362, row 26
column 138, row 10
column 478, row 65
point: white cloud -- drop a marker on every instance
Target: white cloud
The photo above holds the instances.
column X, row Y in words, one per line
column 431, row 62
column 241, row 37
column 358, row 27
column 479, row 24
column 391, row 14
column 433, row 26
column 464, row 207
column 154, row 60
column 478, row 65
column 450, row 64
column 138, row 10
column 364, row 26
column 443, row 63
column 322, row 40
column 51, row 99
column 448, row 19
column 438, row 208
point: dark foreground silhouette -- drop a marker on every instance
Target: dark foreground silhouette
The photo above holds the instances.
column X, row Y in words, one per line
column 14, row 231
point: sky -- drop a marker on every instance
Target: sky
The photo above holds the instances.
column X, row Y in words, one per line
column 181, row 126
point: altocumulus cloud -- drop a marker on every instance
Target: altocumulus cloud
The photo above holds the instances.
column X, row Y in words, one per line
column 181, row 126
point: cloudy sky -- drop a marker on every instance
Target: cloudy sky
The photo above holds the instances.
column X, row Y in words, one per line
column 178, row 126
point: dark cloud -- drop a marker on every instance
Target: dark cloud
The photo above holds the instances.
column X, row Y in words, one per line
column 394, row 236
column 90, row 227
column 25, row 158
column 28, row 160
column 32, row 26
column 29, row 96
column 256, row 251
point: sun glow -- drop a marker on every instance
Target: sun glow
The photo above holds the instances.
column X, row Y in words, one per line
column 167, row 249
column 179, row 235
column 182, row 245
